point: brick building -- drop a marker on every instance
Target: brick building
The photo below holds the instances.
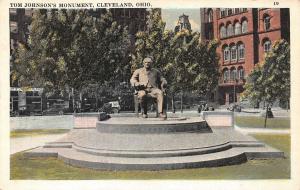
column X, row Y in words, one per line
column 245, row 36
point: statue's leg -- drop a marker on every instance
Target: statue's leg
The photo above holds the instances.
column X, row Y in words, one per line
column 159, row 95
column 142, row 99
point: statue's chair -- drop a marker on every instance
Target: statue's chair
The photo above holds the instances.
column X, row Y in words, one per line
column 150, row 101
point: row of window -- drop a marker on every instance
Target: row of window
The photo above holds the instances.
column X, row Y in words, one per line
column 231, row 30
column 234, row 52
column 233, row 74
column 230, row 11
column 225, row 12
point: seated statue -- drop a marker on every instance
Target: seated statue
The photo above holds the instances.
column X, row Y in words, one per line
column 149, row 82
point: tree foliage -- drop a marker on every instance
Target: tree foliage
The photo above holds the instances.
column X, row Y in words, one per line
column 70, row 49
column 270, row 80
column 187, row 63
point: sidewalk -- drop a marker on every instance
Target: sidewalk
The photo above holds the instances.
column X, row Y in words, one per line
column 247, row 130
column 19, row 144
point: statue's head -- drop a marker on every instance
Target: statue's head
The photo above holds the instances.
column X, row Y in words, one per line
column 147, row 63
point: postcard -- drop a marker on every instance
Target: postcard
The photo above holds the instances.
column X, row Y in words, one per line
column 147, row 94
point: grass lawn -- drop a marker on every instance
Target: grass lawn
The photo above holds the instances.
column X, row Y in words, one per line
column 35, row 132
column 258, row 122
column 52, row 168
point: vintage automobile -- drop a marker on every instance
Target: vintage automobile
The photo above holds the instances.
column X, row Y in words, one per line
column 57, row 109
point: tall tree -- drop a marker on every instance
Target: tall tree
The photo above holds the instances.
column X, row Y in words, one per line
column 270, row 80
column 69, row 49
column 188, row 64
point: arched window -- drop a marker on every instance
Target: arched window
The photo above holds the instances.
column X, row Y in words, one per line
column 233, row 74
column 225, row 75
column 226, row 54
column 244, row 26
column 230, row 12
column 267, row 23
column 241, row 73
column 233, row 54
column 237, row 28
column 210, row 15
column 267, row 46
column 241, row 51
column 223, row 32
column 230, row 30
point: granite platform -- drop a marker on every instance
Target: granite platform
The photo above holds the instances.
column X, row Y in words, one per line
column 122, row 143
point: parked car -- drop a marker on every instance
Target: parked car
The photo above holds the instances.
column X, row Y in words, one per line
column 203, row 106
column 55, row 110
column 178, row 105
column 235, row 108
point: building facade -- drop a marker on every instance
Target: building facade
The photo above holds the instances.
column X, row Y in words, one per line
column 245, row 36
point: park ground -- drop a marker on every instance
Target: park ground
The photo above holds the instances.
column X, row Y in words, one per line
column 52, row 168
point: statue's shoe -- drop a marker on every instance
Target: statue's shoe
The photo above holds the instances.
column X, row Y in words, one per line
column 163, row 116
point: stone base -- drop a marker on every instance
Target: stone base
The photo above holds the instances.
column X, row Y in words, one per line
column 185, row 146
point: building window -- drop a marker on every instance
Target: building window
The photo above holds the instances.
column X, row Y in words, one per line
column 267, row 46
column 241, row 73
column 230, row 30
column 237, row 28
column 244, row 26
column 244, row 9
column 241, row 51
column 230, row 12
column 225, row 75
column 233, row 53
column 13, row 27
column 237, row 10
column 222, row 13
column 122, row 12
column 210, row 15
column 223, row 32
column 233, row 74
column 127, row 13
column 267, row 24
column 226, row 54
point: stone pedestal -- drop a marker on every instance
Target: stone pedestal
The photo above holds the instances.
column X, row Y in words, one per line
column 130, row 143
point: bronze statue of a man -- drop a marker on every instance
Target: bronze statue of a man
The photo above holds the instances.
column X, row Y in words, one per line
column 149, row 83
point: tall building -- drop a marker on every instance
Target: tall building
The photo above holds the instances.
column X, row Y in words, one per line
column 245, row 36
column 183, row 23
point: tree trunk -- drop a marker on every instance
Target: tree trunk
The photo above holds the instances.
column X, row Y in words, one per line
column 80, row 99
column 181, row 99
column 96, row 107
column 266, row 116
column 173, row 103
column 73, row 100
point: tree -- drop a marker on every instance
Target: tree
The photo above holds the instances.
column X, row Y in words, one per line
column 188, row 64
column 270, row 80
column 69, row 49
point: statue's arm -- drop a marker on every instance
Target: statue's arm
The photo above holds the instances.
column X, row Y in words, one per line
column 134, row 81
column 163, row 81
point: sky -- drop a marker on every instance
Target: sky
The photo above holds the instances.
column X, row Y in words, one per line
column 170, row 16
